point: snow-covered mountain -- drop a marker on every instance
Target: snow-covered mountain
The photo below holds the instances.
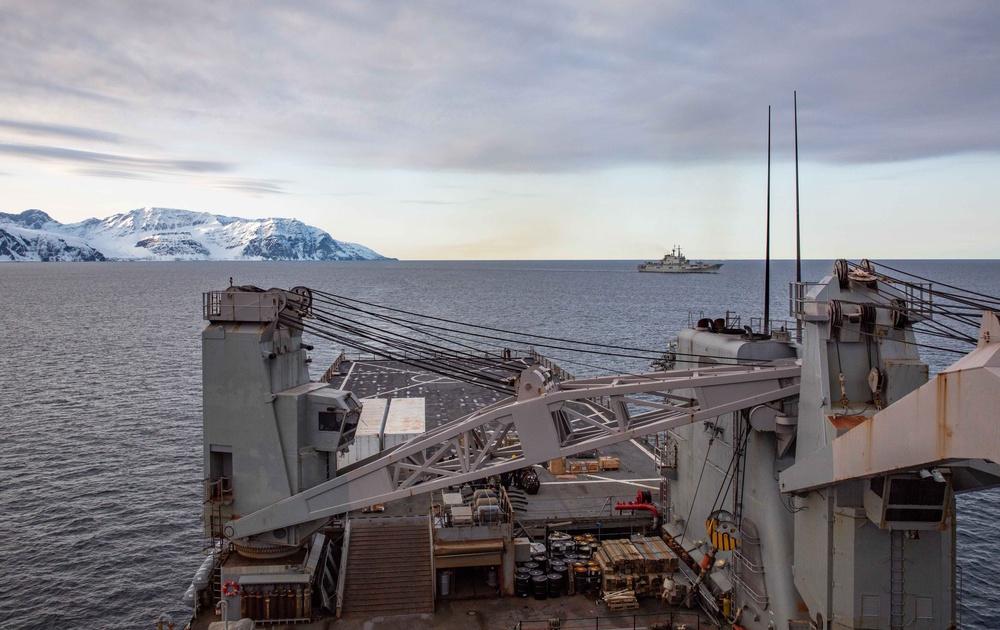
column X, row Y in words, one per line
column 169, row 234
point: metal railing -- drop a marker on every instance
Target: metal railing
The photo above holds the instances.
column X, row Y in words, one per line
column 342, row 573
column 219, row 491
column 742, row 563
column 638, row 621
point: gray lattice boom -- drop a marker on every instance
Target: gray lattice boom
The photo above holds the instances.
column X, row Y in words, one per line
column 546, row 421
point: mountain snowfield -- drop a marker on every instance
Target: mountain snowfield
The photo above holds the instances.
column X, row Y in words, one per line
column 169, row 234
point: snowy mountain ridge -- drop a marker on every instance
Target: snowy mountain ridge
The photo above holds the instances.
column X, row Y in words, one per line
column 169, row 234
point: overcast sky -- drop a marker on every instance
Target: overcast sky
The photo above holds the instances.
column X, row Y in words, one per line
column 529, row 130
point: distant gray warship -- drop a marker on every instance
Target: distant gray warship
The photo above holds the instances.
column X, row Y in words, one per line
column 806, row 473
column 676, row 262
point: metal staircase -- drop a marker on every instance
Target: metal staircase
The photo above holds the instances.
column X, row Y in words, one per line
column 388, row 567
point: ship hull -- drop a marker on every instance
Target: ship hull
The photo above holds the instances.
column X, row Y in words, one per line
column 707, row 269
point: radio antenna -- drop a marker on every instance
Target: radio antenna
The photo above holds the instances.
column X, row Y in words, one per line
column 767, row 246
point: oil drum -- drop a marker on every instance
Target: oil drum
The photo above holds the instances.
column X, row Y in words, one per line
column 540, row 586
column 522, row 585
column 563, row 571
column 580, row 578
column 555, row 584
column 531, row 566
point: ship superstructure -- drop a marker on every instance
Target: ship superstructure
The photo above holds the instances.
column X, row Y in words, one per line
column 676, row 262
column 807, row 474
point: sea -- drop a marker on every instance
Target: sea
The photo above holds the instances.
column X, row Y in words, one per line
column 100, row 400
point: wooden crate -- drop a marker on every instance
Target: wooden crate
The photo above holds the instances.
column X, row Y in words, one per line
column 621, row 600
column 583, row 466
column 558, row 466
column 609, row 463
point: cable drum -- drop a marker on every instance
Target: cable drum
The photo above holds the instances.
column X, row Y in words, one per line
column 301, row 298
column 868, row 315
column 836, row 314
column 279, row 297
column 900, row 316
column 840, row 268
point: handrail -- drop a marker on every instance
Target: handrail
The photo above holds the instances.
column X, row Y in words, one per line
column 342, row 570
column 219, row 490
column 760, row 600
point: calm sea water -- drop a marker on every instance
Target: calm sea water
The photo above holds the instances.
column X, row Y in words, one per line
column 100, row 401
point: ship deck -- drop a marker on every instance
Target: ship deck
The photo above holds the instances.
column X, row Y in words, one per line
column 585, row 498
column 581, row 502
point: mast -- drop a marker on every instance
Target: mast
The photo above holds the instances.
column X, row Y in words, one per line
column 767, row 246
column 798, row 233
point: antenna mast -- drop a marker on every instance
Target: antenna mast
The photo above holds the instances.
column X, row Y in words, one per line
column 767, row 247
column 798, row 234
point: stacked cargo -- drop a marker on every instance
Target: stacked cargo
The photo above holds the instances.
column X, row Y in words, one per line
column 640, row 564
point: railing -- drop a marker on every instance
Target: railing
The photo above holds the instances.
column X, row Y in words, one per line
column 342, row 577
column 559, row 373
column 219, row 491
column 665, row 452
column 741, row 563
column 797, row 292
column 334, row 369
column 211, row 304
column 639, row 621
column 958, row 596
column 915, row 299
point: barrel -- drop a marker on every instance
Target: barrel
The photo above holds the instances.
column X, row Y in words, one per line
column 558, row 537
column 594, row 584
column 540, row 586
column 444, row 582
column 563, row 571
column 531, row 566
column 555, row 584
column 580, row 579
column 522, row 571
column 556, row 549
column 522, row 585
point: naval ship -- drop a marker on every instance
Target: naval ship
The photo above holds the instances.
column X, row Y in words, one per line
column 676, row 262
column 804, row 474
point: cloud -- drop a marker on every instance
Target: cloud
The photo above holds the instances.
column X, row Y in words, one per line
column 60, row 131
column 514, row 87
column 253, row 186
column 432, row 202
column 63, row 155
column 110, row 173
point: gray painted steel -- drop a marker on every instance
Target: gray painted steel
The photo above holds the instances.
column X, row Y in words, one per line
column 846, row 513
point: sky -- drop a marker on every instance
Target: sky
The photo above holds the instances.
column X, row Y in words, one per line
column 560, row 129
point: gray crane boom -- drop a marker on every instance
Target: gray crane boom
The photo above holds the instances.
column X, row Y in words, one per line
column 546, row 420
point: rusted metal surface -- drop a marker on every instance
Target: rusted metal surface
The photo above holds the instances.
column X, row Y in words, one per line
column 845, row 422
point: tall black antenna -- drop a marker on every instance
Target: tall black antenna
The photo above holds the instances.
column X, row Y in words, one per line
column 798, row 235
column 767, row 247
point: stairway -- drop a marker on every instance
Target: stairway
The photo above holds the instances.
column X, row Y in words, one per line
column 389, row 567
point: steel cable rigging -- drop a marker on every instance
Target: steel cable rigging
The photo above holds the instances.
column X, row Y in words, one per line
column 960, row 307
column 468, row 332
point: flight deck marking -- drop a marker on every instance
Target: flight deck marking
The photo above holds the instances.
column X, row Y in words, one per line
column 597, row 479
